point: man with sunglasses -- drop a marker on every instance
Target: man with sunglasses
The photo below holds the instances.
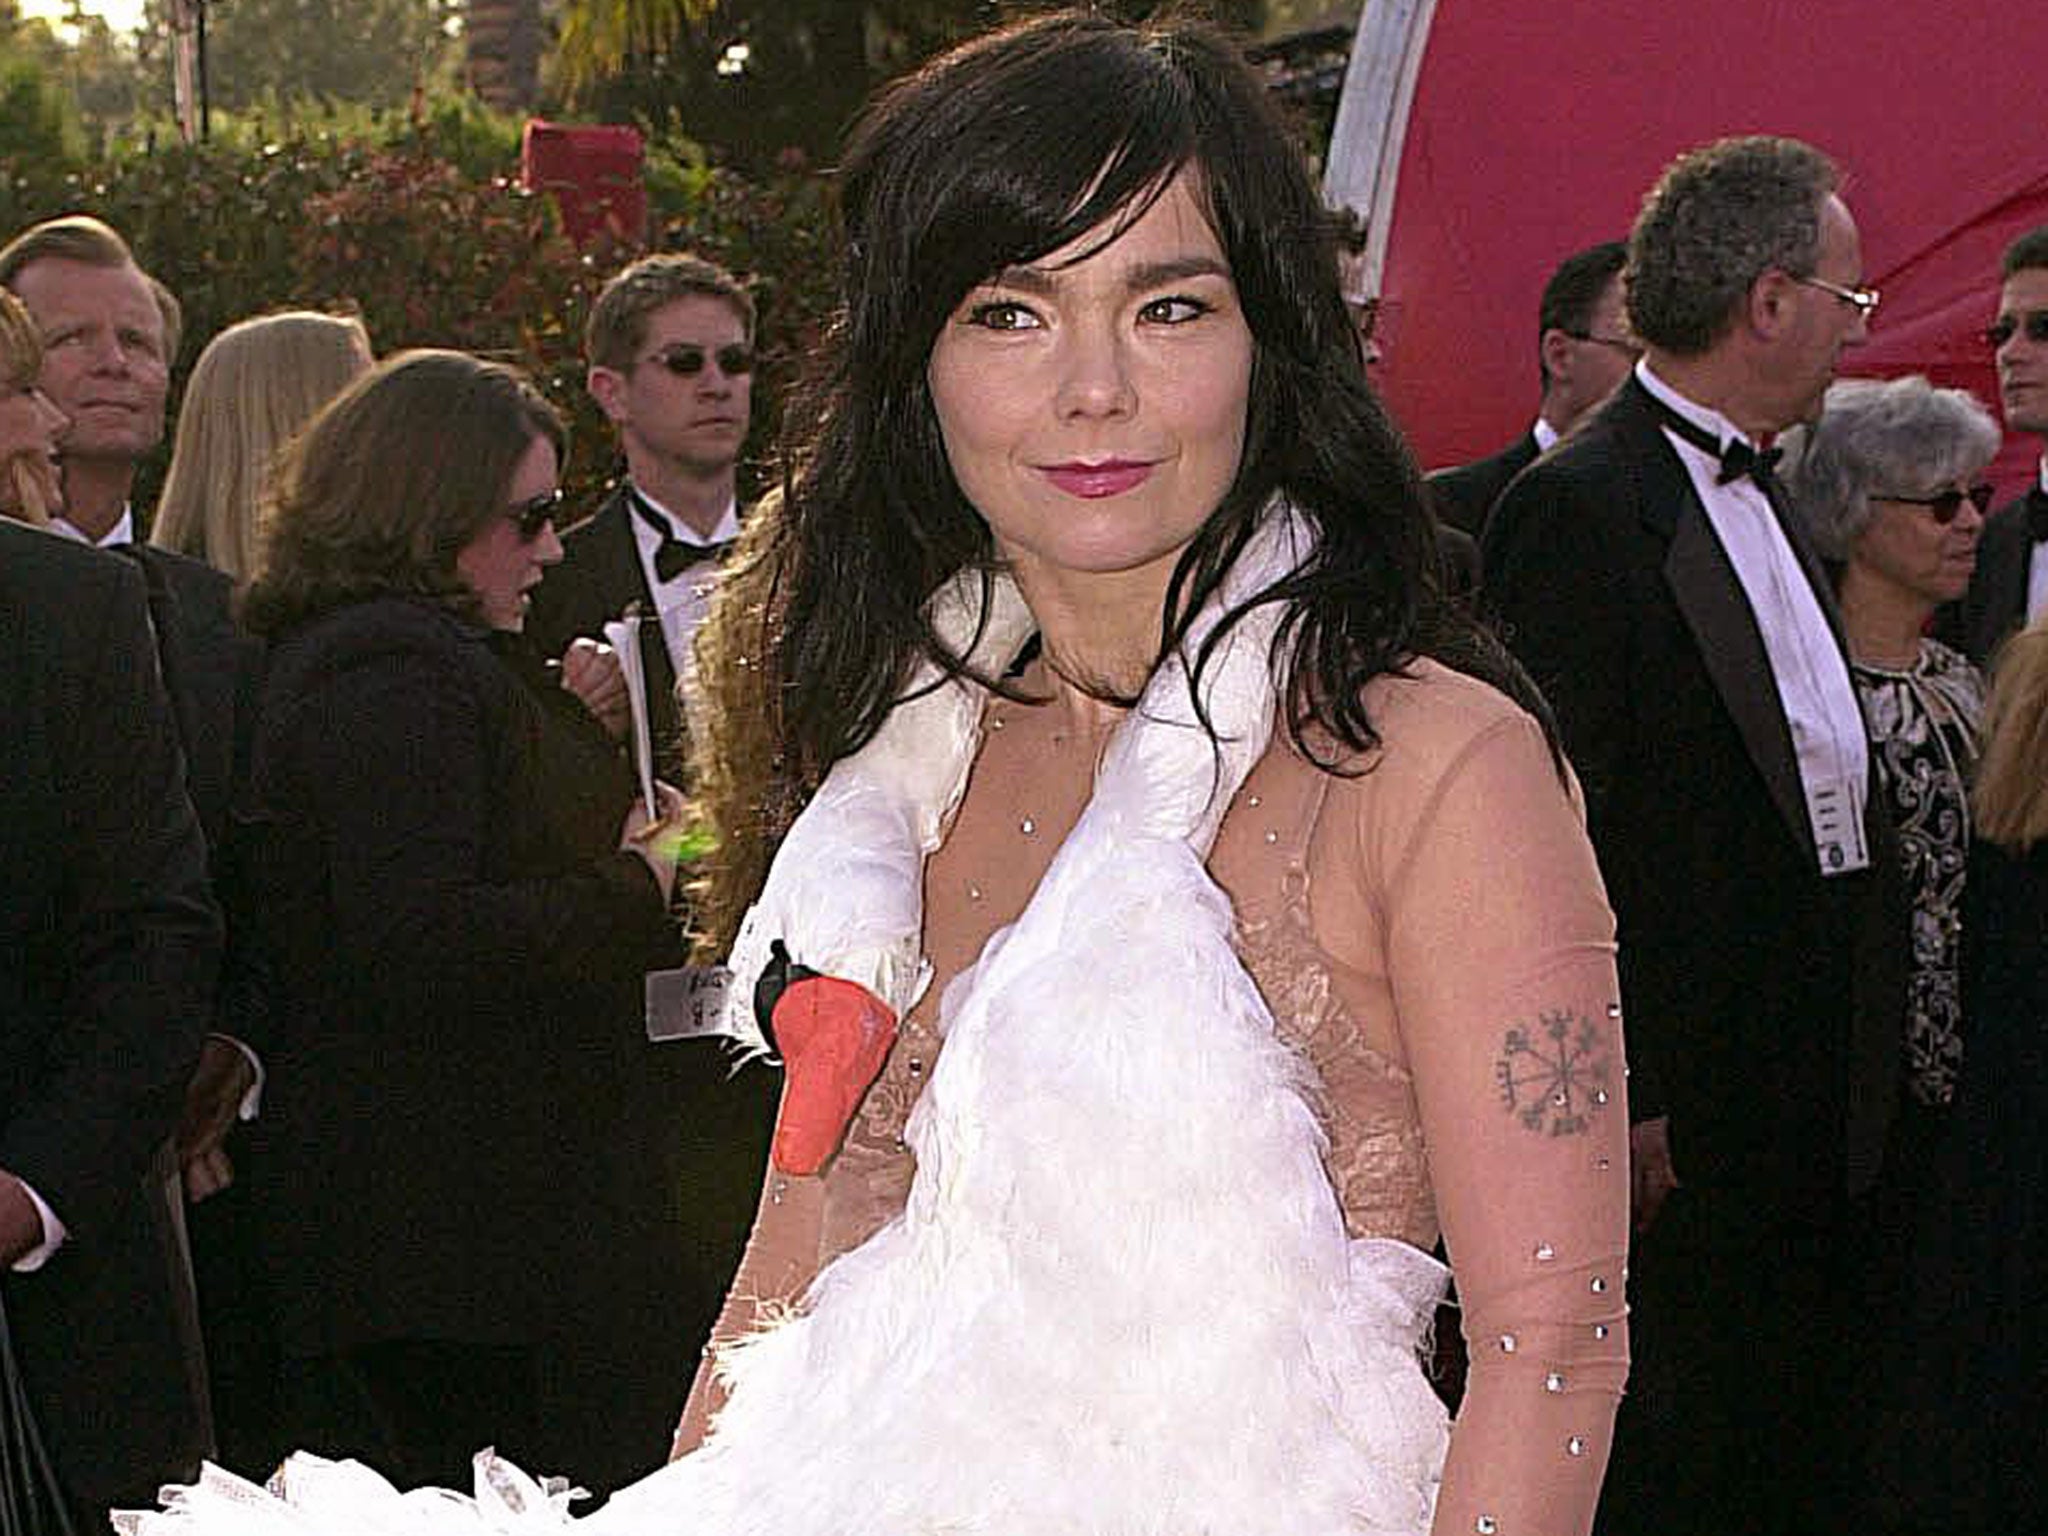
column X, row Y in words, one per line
column 2010, row 585
column 669, row 345
column 1583, row 350
column 1648, row 574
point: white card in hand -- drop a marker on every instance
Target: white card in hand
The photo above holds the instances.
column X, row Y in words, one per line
column 688, row 1003
column 623, row 635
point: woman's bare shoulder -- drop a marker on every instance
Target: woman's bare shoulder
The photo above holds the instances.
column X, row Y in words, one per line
column 1428, row 716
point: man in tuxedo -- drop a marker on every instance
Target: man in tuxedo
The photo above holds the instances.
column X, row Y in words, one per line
column 109, row 332
column 1646, row 573
column 670, row 348
column 669, row 344
column 2009, row 587
column 1583, row 350
column 109, row 943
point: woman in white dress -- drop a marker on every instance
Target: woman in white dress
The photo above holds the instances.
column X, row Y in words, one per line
column 1189, row 918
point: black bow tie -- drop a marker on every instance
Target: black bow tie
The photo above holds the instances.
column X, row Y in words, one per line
column 1738, row 460
column 672, row 557
column 2037, row 515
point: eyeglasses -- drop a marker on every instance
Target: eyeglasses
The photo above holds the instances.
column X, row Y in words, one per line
column 1945, row 506
column 2034, row 322
column 734, row 360
column 1628, row 346
column 530, row 517
column 1862, row 300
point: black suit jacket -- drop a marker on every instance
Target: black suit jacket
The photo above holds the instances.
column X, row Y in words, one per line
column 598, row 575
column 212, row 671
column 1464, row 494
column 1458, row 559
column 1763, row 1001
column 109, row 945
column 1996, row 604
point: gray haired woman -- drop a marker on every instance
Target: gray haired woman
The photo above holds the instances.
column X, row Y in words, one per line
column 1889, row 480
column 1889, row 483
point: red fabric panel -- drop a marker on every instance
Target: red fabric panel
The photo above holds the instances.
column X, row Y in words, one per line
column 594, row 172
column 1535, row 131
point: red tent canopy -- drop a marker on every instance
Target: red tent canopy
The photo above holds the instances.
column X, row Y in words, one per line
column 1533, row 131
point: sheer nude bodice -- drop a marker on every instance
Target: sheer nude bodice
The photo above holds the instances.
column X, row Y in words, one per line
column 1416, row 930
column 1358, row 1082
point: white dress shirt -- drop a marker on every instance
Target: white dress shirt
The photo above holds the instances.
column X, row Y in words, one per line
column 1807, row 663
column 2037, row 562
column 684, row 601
column 123, row 531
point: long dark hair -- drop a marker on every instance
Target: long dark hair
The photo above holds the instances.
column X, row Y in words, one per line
column 995, row 155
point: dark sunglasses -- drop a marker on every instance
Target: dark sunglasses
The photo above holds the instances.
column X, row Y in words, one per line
column 2034, row 322
column 530, row 517
column 687, row 361
column 1945, row 505
column 1628, row 346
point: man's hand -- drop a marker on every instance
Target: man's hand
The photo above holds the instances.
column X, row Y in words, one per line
column 591, row 671
column 213, row 1100
column 1651, row 1176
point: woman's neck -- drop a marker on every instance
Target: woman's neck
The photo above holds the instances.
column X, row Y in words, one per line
column 1100, row 634
column 1884, row 621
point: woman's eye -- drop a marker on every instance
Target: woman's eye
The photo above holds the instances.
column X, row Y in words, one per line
column 1175, row 309
column 1001, row 315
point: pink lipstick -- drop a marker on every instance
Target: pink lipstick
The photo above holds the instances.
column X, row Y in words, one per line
column 1110, row 477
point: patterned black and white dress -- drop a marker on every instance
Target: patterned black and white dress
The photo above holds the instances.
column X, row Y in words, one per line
column 1923, row 722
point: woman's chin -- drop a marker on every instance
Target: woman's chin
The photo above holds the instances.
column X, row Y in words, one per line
column 29, row 489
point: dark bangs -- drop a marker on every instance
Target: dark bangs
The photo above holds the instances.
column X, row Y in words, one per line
column 958, row 172
column 996, row 155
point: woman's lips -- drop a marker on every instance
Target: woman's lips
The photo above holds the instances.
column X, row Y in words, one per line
column 1111, row 477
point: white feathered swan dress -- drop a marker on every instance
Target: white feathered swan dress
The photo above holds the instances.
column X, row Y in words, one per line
column 1121, row 1300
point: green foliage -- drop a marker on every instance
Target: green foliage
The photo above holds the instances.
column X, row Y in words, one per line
column 270, row 53
column 422, row 229
column 763, row 80
column 37, row 120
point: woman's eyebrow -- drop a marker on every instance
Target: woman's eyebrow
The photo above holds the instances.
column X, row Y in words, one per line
column 1041, row 281
column 1174, row 269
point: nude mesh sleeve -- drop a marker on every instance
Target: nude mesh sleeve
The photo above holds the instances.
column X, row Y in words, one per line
column 782, row 1258
column 1500, row 954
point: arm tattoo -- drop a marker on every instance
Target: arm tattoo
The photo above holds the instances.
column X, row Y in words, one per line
column 1553, row 1075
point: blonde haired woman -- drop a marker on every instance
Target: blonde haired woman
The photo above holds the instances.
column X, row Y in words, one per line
column 29, row 423
column 256, row 384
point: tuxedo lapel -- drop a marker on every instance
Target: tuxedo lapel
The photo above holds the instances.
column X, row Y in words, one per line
column 2004, row 555
column 614, row 557
column 1710, row 598
column 627, row 582
column 622, row 580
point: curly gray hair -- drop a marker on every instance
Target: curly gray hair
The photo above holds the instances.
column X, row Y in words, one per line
column 1719, row 218
column 1877, row 437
